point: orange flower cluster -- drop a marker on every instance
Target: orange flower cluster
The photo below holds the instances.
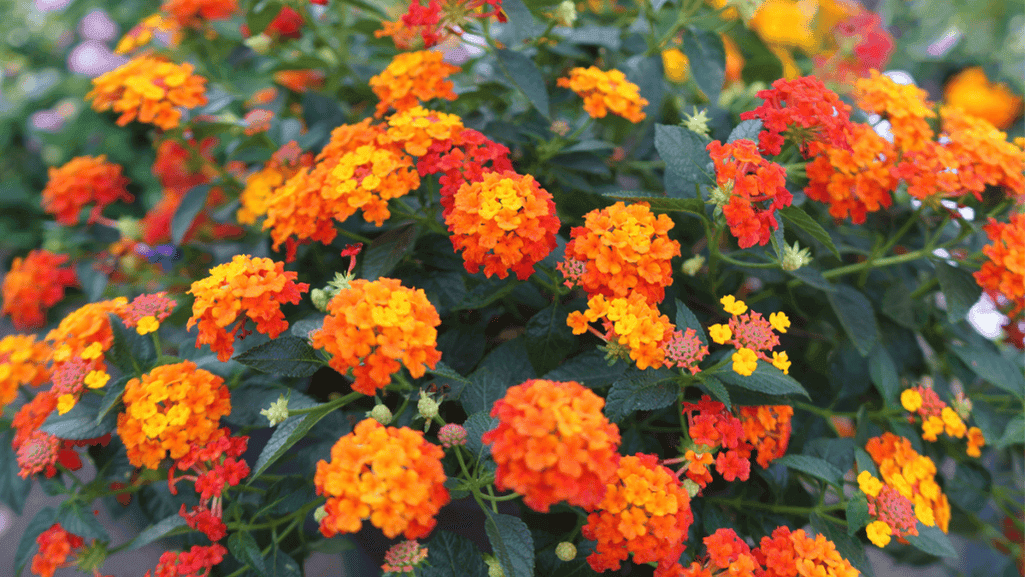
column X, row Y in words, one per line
column 646, row 511
column 143, row 33
column 983, row 154
column 553, row 444
column 56, row 545
column 169, row 409
column 632, row 322
column 626, row 250
column 606, row 91
column 300, row 81
column 366, row 179
column 34, row 284
column 81, row 181
column 391, row 476
column 787, row 553
column 752, row 335
column 255, row 287
column 412, row 78
column 503, row 222
column 22, row 362
column 768, row 428
column 904, row 105
column 262, row 184
column 194, row 12
column 972, row 91
column 149, row 88
column 84, row 327
column 938, row 417
column 751, row 188
column 854, row 181
column 1003, row 275
column 374, row 325
column 415, row 129
column 913, row 476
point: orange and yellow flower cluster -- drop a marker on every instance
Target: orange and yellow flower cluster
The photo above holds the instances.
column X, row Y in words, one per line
column 752, row 335
column 767, row 428
column 913, row 476
column 168, row 410
column 34, row 284
column 503, row 222
column 785, row 553
column 1002, row 276
column 260, row 186
column 22, row 362
column 937, row 417
column 605, row 92
column 254, row 287
column 150, row 89
column 412, row 78
column 83, row 180
column 750, row 191
column 632, row 322
column 894, row 513
column 373, row 326
column 553, row 444
column 391, row 476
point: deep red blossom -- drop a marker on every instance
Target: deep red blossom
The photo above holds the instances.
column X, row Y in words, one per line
column 756, row 188
column 812, row 115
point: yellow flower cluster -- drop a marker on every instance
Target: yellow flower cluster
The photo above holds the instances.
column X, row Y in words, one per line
column 605, row 92
column 634, row 323
column 752, row 336
column 150, row 89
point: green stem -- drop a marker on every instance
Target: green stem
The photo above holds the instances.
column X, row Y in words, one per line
column 737, row 503
column 736, row 262
column 331, row 405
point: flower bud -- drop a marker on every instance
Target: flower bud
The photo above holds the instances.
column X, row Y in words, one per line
column 260, row 43
column 320, row 298
column 452, row 435
column 494, row 567
column 691, row 487
column 794, row 257
column 566, row 551
column 697, row 122
column 381, row 414
column 320, row 513
column 566, row 13
column 721, row 194
column 129, row 228
column 427, row 406
column 277, row 412
column 692, row 265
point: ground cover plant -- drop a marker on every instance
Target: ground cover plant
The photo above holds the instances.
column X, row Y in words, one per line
column 515, row 287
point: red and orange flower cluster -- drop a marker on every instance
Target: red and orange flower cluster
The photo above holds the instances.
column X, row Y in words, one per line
column 605, row 92
column 83, row 180
column 56, row 547
column 1002, row 276
column 22, row 362
column 150, row 89
column 34, row 284
column 391, row 476
column 254, row 287
column 438, row 21
column 785, row 553
column 750, row 191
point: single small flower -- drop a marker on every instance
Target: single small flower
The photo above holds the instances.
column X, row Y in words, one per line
column 869, row 484
column 779, row 321
column 781, row 362
column 96, row 379
column 721, row 334
column 911, row 400
column 733, row 306
column 745, row 361
column 65, row 403
column 975, row 441
column 147, row 325
column 277, row 412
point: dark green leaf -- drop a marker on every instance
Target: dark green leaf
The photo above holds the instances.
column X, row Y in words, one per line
column 865, row 462
column 158, row 530
column 857, row 317
column 970, row 487
column 304, row 327
column 387, row 250
column 80, row 422
column 447, row 372
column 778, row 242
column 640, row 391
column 685, row 319
column 476, row 425
column 687, row 160
column 1014, row 433
column 43, row 520
column 659, row 203
column 525, row 75
column 288, row 433
column 717, row 389
column 286, row 355
column 933, row 541
column 589, row 369
column 131, row 352
column 960, row 290
column 281, row 564
column 746, row 130
column 13, row 489
column 766, row 379
column 192, row 204
column 992, row 367
column 484, row 389
column 451, row 555
column 549, row 338
column 647, row 73
column 813, row 466
column 78, row 518
column 884, row 373
column 486, row 293
column 813, row 278
column 898, row 306
column 512, row 543
column 510, row 361
column 111, row 399
column 857, row 513
column 847, row 546
column 245, row 550
column 704, row 50
column 93, row 282
column 797, row 217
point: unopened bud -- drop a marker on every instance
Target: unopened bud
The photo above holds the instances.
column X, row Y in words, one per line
column 320, row 513
column 320, row 298
column 277, row 412
column 691, row 487
column 794, row 257
column 566, row 551
column 494, row 567
column 566, row 13
column 560, row 127
column 697, row 122
column 452, row 435
column 129, row 228
column 692, row 265
column 427, row 406
column 260, row 43
column 720, row 195
column 381, row 414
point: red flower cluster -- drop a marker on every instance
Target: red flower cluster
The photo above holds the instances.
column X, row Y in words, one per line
column 712, row 427
column 55, row 546
column 462, row 159
column 438, row 21
column 83, row 180
column 212, row 467
column 1002, row 276
column 756, row 188
column 33, row 285
column 196, row 562
column 810, row 114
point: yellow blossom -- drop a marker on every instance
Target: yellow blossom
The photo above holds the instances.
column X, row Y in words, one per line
column 721, row 334
column 781, row 362
column 745, row 361
column 96, row 379
column 147, row 325
column 93, row 351
column 869, row 484
column 911, row 399
column 952, row 423
column 879, row 533
column 779, row 321
column 924, row 512
column 65, row 403
column 931, row 427
column 731, row 305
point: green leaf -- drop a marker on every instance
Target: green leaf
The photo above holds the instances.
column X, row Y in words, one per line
column 707, row 56
column 1014, row 433
column 857, row 513
column 847, row 546
column 476, row 425
column 970, row 488
column 451, row 555
column 111, row 399
column 687, row 160
column 746, row 130
column 387, row 250
column 797, row 217
column 167, row 526
column 640, row 390
column 857, row 317
column 933, row 541
column 43, row 520
column 813, row 278
column 244, row 548
column 131, row 352
column 444, row 371
column 80, row 423
column 78, row 518
column 13, row 489
column 766, row 379
column 685, row 319
column 188, row 210
column 93, row 282
column 884, row 373
column 549, row 338
column 660, row 203
column 484, row 389
column 486, row 293
column 510, row 539
column 960, row 290
column 814, row 466
column 991, row 366
column 898, row 306
column 304, row 327
column 281, row 564
column 287, row 356
column 865, row 462
column 525, row 75
column 717, row 389
column 288, row 433
column 589, row 369
column 778, row 242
